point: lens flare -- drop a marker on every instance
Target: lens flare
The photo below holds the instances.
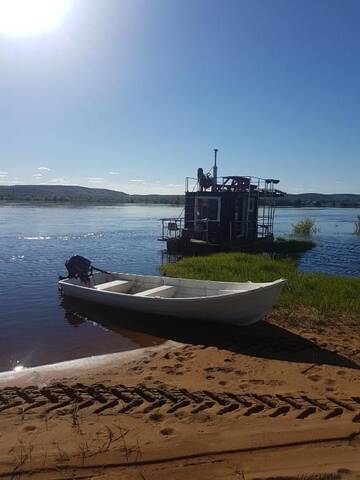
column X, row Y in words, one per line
column 32, row 17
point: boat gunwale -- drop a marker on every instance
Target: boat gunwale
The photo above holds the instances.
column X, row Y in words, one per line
column 139, row 299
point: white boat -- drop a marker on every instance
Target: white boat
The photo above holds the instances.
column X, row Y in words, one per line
column 222, row 302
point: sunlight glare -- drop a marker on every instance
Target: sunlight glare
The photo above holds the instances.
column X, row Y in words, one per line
column 18, row 368
column 32, row 17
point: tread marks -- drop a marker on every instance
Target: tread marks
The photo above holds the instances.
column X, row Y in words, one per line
column 115, row 399
column 342, row 404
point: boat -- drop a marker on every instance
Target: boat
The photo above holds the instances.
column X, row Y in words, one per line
column 237, row 303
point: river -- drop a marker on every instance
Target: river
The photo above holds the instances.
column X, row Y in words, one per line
column 36, row 327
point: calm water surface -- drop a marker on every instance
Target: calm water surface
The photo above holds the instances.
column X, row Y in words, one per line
column 37, row 326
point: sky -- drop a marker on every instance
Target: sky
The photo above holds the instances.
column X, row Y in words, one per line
column 133, row 95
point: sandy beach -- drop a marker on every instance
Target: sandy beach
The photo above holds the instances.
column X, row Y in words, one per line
column 261, row 402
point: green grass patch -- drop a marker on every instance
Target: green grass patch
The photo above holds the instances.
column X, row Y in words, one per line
column 322, row 295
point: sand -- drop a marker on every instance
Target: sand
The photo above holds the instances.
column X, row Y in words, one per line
column 268, row 401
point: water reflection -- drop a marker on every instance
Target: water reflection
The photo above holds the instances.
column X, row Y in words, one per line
column 122, row 322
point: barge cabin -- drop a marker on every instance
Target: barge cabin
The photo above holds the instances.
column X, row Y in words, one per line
column 222, row 211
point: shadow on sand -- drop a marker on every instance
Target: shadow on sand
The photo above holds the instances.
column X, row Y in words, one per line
column 260, row 340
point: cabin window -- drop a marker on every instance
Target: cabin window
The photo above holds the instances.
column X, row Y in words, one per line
column 207, row 208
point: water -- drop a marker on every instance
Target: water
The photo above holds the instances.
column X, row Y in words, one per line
column 337, row 250
column 37, row 326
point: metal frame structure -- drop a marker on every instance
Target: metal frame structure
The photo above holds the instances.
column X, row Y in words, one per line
column 261, row 189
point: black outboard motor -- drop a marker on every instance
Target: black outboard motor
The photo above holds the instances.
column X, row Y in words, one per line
column 79, row 267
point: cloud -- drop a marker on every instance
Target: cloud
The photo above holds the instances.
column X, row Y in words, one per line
column 114, row 173
column 38, row 175
column 138, row 180
column 174, row 185
column 57, row 180
column 4, row 174
column 44, row 169
column 96, row 179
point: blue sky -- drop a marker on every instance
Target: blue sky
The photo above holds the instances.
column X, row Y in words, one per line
column 134, row 95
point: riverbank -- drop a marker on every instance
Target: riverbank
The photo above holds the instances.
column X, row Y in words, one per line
column 279, row 399
column 312, row 298
column 257, row 402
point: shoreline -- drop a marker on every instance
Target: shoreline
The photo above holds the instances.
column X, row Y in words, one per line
column 41, row 373
column 267, row 401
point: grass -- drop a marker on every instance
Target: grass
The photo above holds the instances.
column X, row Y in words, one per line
column 321, row 296
column 357, row 226
column 304, row 227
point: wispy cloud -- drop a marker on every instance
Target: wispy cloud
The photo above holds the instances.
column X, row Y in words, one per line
column 114, row 173
column 57, row 180
column 38, row 175
column 95, row 179
column 137, row 180
column 44, row 169
column 4, row 174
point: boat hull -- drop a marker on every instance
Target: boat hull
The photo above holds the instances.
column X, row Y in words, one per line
column 243, row 307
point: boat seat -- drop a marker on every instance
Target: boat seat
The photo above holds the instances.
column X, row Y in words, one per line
column 119, row 286
column 165, row 291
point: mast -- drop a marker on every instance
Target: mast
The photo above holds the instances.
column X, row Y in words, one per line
column 215, row 167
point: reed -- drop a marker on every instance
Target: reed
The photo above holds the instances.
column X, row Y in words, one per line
column 320, row 293
column 357, row 226
column 304, row 227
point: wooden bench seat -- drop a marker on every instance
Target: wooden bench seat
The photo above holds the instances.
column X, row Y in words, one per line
column 165, row 291
column 119, row 286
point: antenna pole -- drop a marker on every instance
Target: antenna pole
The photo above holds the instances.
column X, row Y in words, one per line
column 215, row 166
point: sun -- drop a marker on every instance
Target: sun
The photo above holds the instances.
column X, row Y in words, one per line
column 32, row 17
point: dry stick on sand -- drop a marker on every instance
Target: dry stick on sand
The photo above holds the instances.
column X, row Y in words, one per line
column 21, row 458
column 62, row 455
column 75, row 418
column 84, row 451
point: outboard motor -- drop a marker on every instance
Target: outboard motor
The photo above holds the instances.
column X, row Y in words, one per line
column 79, row 267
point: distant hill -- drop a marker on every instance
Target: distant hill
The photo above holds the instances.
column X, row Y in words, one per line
column 320, row 200
column 70, row 193
column 73, row 194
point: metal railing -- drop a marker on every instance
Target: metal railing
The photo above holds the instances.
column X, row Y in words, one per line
column 171, row 227
column 246, row 183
